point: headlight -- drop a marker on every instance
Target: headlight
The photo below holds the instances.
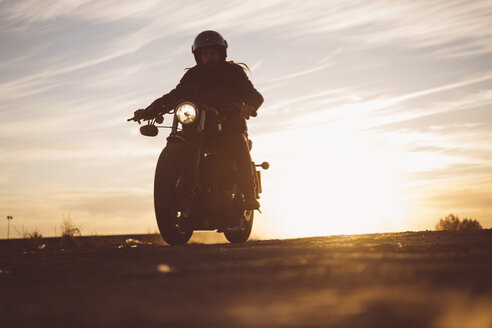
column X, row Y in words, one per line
column 186, row 112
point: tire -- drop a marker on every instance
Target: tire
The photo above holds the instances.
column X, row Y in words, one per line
column 167, row 174
column 241, row 235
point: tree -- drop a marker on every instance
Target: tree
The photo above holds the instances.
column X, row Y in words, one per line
column 453, row 222
column 469, row 224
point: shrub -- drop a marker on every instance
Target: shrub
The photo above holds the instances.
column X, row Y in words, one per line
column 32, row 240
column 68, row 231
column 453, row 222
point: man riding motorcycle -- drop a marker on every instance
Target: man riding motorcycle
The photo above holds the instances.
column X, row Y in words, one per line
column 219, row 82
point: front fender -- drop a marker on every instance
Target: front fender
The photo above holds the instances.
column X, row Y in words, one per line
column 177, row 138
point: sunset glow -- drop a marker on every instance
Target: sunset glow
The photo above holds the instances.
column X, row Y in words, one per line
column 377, row 115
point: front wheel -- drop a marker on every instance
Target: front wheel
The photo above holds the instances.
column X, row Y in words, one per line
column 174, row 228
column 242, row 234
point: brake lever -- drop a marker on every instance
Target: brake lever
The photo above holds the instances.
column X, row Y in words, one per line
column 133, row 119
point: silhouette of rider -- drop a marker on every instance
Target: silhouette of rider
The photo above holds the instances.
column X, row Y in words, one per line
column 219, row 82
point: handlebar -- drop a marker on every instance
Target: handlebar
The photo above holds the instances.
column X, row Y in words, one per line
column 232, row 107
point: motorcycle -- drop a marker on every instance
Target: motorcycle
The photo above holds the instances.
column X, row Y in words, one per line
column 195, row 184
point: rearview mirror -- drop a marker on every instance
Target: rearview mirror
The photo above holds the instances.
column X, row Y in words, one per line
column 149, row 130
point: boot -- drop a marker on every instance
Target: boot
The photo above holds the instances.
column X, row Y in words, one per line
column 250, row 202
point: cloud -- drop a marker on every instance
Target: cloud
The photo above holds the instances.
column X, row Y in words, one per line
column 369, row 108
column 72, row 71
column 34, row 11
column 323, row 64
column 459, row 28
column 415, row 24
column 462, row 192
column 102, row 211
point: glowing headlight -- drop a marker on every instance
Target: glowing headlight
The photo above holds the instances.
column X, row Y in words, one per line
column 186, row 112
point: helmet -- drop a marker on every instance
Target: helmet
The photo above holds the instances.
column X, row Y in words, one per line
column 209, row 39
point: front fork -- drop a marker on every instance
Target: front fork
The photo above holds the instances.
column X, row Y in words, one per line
column 192, row 138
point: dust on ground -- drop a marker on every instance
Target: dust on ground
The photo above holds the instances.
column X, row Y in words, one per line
column 410, row 279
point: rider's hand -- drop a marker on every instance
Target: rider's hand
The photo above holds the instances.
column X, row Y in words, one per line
column 247, row 111
column 142, row 114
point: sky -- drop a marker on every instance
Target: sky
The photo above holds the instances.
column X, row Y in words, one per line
column 377, row 114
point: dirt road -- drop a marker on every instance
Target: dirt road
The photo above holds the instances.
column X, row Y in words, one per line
column 415, row 279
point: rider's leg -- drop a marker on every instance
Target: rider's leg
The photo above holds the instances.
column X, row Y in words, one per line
column 237, row 147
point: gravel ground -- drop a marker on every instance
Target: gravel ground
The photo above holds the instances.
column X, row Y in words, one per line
column 410, row 279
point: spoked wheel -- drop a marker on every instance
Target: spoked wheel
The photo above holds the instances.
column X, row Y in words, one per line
column 173, row 226
column 241, row 234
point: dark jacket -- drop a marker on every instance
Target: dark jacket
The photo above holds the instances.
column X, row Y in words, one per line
column 226, row 84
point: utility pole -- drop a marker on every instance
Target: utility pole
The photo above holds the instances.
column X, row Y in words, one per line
column 9, row 218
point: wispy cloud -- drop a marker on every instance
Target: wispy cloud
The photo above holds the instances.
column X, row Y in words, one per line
column 370, row 107
column 33, row 11
column 395, row 76
column 324, row 63
column 458, row 27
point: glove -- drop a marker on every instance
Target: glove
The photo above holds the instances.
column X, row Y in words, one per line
column 143, row 114
column 247, row 111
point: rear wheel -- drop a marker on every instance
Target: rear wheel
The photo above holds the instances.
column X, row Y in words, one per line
column 242, row 234
column 173, row 226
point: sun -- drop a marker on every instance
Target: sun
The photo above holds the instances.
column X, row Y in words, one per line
column 327, row 181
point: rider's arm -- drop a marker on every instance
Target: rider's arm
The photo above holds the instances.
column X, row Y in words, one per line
column 250, row 95
column 165, row 103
